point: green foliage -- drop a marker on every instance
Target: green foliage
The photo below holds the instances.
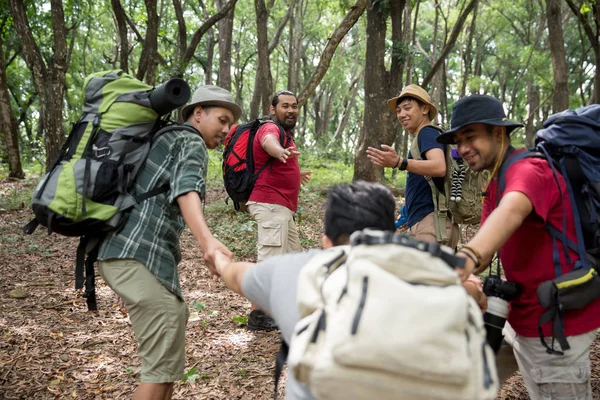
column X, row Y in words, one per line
column 198, row 305
column 240, row 320
column 191, row 376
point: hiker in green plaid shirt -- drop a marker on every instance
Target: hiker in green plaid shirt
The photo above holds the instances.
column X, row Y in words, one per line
column 139, row 261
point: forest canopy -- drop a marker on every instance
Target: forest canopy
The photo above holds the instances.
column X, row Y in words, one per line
column 342, row 58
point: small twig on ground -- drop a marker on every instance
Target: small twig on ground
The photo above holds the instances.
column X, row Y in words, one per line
column 90, row 344
column 10, row 368
column 65, row 303
column 38, row 284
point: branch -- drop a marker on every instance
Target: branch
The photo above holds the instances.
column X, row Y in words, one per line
column 348, row 22
column 281, row 26
column 586, row 26
column 209, row 23
column 455, row 32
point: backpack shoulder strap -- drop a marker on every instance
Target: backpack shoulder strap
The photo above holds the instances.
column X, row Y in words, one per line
column 440, row 199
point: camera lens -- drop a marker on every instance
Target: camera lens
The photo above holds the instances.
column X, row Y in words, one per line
column 170, row 95
column 494, row 319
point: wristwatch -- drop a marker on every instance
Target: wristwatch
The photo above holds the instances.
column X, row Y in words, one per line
column 403, row 164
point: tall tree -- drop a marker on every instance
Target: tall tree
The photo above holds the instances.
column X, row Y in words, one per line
column 48, row 74
column 123, row 44
column 590, row 11
column 8, row 122
column 458, row 25
column 557, row 51
column 225, row 39
column 380, row 84
column 334, row 40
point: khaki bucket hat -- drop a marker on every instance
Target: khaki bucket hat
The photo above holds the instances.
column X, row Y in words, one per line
column 209, row 95
column 417, row 92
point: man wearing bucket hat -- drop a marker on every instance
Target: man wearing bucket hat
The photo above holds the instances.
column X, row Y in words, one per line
column 512, row 224
column 426, row 166
column 139, row 261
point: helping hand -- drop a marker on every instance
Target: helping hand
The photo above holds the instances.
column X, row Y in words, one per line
column 386, row 158
column 211, row 250
column 288, row 153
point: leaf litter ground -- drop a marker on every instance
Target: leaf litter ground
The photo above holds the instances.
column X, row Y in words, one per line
column 51, row 347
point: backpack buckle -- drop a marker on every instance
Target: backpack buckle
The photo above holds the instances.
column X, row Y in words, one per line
column 100, row 152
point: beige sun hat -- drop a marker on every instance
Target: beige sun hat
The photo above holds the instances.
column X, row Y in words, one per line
column 417, row 92
column 209, row 95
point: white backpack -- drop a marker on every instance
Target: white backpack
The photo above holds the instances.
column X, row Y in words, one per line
column 388, row 318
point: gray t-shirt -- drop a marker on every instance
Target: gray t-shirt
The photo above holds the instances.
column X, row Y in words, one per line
column 271, row 285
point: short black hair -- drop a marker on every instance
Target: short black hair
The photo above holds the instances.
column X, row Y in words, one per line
column 357, row 206
column 401, row 99
column 275, row 99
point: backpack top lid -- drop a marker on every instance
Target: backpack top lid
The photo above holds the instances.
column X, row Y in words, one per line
column 580, row 127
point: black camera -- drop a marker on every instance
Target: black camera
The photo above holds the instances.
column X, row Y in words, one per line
column 499, row 293
column 170, row 95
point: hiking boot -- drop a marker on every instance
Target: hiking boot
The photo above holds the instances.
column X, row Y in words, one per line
column 259, row 321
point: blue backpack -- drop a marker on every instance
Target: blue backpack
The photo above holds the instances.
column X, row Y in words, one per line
column 570, row 141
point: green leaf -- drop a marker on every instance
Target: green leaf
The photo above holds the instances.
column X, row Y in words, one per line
column 198, row 305
column 584, row 9
column 242, row 320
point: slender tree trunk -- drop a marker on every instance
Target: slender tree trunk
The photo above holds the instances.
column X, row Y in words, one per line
column 225, row 38
column 8, row 122
column 263, row 84
column 49, row 79
column 460, row 21
column 557, row 51
column 592, row 31
column 148, row 63
column 334, row 40
column 122, row 31
column 467, row 59
column 533, row 99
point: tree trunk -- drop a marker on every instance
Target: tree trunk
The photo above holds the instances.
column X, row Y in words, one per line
column 557, row 51
column 49, row 79
column 593, row 34
column 467, row 59
column 460, row 21
column 8, row 122
column 190, row 50
column 334, row 40
column 225, row 38
column 122, row 30
column 263, row 84
column 375, row 96
column 295, row 46
column 533, row 99
column 379, row 127
column 148, row 63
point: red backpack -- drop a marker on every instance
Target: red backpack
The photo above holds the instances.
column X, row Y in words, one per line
column 238, row 161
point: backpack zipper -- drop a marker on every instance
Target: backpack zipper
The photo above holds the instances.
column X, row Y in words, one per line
column 361, row 305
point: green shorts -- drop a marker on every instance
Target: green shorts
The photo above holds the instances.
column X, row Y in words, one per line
column 157, row 316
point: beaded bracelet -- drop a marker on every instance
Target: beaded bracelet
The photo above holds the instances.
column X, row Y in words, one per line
column 470, row 257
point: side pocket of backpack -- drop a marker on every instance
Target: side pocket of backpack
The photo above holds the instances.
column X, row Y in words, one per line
column 305, row 347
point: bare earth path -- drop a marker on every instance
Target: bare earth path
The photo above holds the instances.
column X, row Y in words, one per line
column 51, row 347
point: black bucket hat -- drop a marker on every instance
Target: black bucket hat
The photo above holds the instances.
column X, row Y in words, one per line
column 476, row 109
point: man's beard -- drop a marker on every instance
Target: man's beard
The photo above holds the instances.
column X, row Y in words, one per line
column 288, row 126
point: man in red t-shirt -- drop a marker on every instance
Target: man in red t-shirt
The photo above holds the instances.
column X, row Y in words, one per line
column 274, row 199
column 513, row 225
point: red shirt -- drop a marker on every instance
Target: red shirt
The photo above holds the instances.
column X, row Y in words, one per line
column 527, row 255
column 279, row 183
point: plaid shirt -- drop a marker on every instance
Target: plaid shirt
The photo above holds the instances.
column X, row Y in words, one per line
column 151, row 233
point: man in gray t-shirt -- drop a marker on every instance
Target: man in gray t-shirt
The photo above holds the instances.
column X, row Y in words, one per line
column 271, row 284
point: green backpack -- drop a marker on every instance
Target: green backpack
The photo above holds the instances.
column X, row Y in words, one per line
column 86, row 191
column 461, row 199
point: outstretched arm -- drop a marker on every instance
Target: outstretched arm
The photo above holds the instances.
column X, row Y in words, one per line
column 495, row 231
column 232, row 273
column 191, row 209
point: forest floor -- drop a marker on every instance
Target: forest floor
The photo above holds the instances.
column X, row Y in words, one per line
column 51, row 347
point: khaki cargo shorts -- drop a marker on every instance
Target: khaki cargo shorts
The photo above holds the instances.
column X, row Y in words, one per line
column 157, row 316
column 277, row 232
